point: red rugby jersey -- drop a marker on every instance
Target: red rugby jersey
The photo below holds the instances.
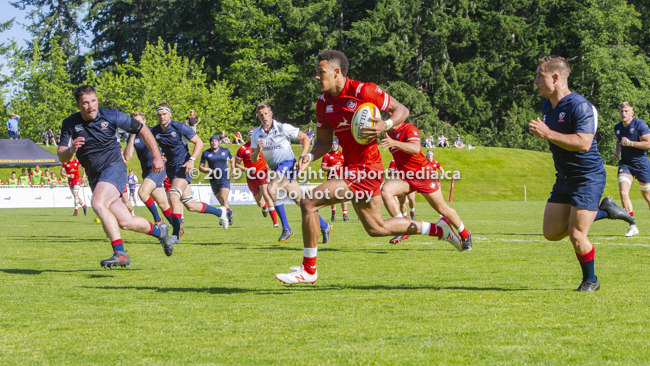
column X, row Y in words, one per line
column 72, row 168
column 244, row 153
column 336, row 113
column 332, row 159
column 404, row 161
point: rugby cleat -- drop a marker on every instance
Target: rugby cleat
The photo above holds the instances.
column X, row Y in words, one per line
column 75, row 213
column 588, row 286
column 159, row 222
column 181, row 233
column 333, row 219
column 412, row 216
column 615, row 212
column 399, row 238
column 223, row 219
column 467, row 242
column 286, row 235
column 345, row 218
column 276, row 225
column 119, row 259
column 297, row 275
column 326, row 233
column 448, row 233
column 166, row 240
column 631, row 231
column 231, row 218
column 265, row 212
column 85, row 211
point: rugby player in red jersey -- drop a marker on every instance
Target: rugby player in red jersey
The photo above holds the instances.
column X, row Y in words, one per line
column 363, row 168
column 73, row 171
column 392, row 167
column 414, row 173
column 256, row 178
column 333, row 165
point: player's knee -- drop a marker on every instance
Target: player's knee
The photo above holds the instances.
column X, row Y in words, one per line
column 307, row 206
column 554, row 234
column 376, row 232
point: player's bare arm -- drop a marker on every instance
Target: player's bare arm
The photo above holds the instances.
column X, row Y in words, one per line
column 255, row 154
column 322, row 143
column 239, row 165
column 644, row 144
column 617, row 151
column 152, row 145
column 397, row 113
column 128, row 150
column 66, row 153
column 570, row 142
column 409, row 147
column 198, row 146
column 204, row 169
column 304, row 159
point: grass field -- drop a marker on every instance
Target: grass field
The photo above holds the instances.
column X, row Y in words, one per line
column 216, row 301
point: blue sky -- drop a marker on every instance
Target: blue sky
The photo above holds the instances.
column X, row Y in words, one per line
column 16, row 32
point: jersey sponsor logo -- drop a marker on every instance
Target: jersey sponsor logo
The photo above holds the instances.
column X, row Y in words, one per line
column 352, row 104
column 329, row 109
column 318, row 125
column 561, row 117
column 78, row 128
column 104, row 125
column 345, row 122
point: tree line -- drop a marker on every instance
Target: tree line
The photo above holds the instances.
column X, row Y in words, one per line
column 460, row 66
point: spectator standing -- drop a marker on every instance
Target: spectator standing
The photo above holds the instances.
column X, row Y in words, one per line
column 310, row 134
column 37, row 176
column 24, row 178
column 12, row 126
column 236, row 138
column 443, row 141
column 458, row 142
column 13, row 181
column 192, row 120
column 132, row 180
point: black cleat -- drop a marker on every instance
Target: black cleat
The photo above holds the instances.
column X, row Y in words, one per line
column 166, row 240
column 231, row 218
column 333, row 219
column 85, row 211
column 467, row 242
column 345, row 218
column 265, row 212
column 326, row 233
column 119, row 259
column 412, row 216
column 588, row 286
column 75, row 213
column 286, row 235
column 614, row 212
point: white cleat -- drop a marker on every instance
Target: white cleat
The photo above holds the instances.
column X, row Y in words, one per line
column 631, row 231
column 448, row 233
column 297, row 275
column 223, row 219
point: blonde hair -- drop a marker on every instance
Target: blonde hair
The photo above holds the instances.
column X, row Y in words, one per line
column 138, row 114
column 262, row 106
column 555, row 64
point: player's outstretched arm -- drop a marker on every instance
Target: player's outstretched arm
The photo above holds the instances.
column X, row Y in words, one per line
column 570, row 142
column 128, row 150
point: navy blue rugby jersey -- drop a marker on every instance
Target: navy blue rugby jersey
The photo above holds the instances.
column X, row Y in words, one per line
column 144, row 155
column 573, row 114
column 171, row 142
column 101, row 148
column 217, row 160
column 631, row 155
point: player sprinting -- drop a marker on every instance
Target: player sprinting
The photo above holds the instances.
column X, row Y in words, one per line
column 151, row 189
column 73, row 173
column 90, row 134
column 214, row 161
column 179, row 166
column 392, row 167
column 632, row 142
column 256, row 178
column 273, row 140
column 416, row 174
column 570, row 124
column 333, row 165
column 363, row 168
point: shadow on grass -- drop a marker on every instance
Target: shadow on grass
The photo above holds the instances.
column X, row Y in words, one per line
column 289, row 290
column 38, row 272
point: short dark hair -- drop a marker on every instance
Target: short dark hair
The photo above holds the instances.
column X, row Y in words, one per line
column 262, row 106
column 163, row 105
column 83, row 90
column 555, row 63
column 335, row 57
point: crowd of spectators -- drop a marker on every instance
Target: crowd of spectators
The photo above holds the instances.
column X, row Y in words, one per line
column 443, row 141
column 38, row 178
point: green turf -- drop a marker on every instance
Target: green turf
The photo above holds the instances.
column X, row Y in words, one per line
column 486, row 173
column 216, row 301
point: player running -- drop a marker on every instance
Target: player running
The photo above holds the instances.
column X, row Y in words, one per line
column 632, row 141
column 363, row 168
column 90, row 134
column 273, row 139
column 73, row 172
column 179, row 166
column 570, row 124
column 151, row 190
column 416, row 174
column 217, row 159
column 256, row 178
column 333, row 165
column 392, row 168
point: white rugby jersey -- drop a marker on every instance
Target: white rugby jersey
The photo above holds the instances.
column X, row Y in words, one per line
column 277, row 143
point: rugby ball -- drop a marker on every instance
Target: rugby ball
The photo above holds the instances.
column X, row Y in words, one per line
column 362, row 118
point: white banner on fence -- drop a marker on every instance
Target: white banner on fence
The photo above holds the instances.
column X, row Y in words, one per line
column 44, row 197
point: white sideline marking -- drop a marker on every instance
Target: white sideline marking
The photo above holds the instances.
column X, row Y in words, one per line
column 625, row 244
column 15, row 225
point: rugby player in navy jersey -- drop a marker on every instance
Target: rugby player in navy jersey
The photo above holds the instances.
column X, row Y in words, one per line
column 179, row 166
column 151, row 189
column 217, row 158
column 90, row 134
column 632, row 141
column 570, row 124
